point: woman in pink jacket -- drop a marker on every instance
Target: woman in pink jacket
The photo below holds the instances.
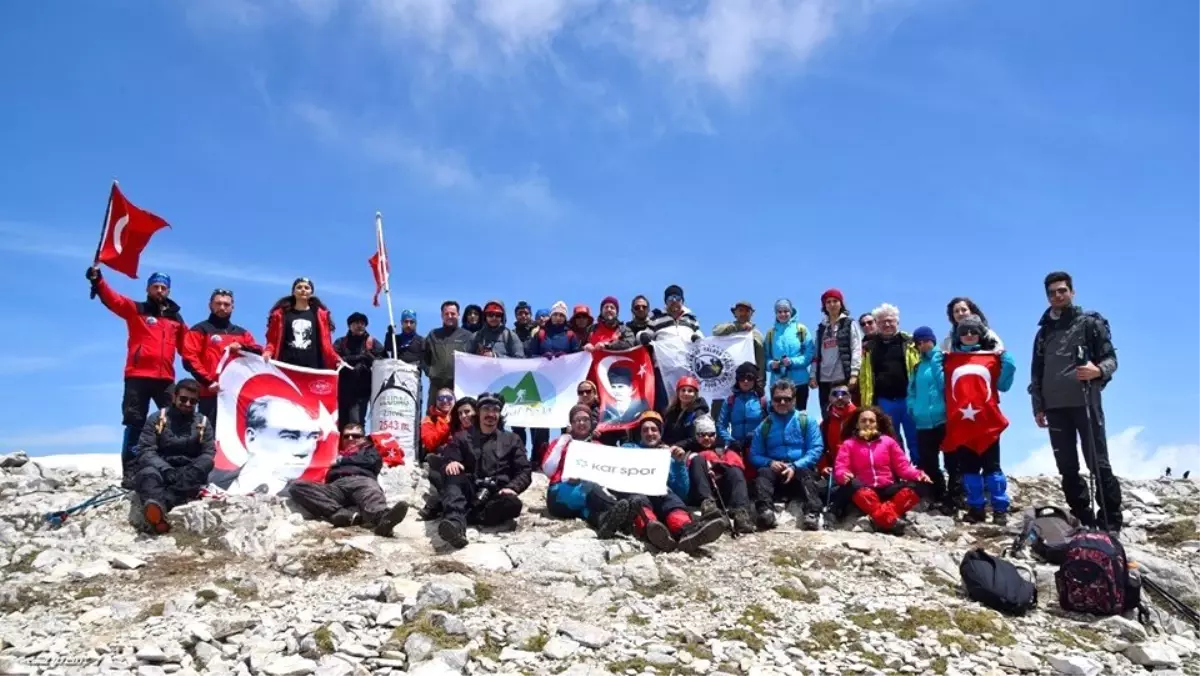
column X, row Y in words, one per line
column 874, row 471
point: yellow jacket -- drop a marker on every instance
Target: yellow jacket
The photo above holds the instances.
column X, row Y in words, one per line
column 866, row 374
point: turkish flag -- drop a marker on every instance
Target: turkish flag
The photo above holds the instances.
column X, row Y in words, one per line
column 389, row 449
column 380, row 267
column 127, row 231
column 973, row 416
column 625, row 385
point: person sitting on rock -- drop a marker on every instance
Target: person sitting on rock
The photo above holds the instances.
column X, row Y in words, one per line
column 707, row 469
column 172, row 459
column 484, row 470
column 784, row 455
column 875, row 473
column 351, row 494
column 575, row 499
column 462, row 417
column 680, row 531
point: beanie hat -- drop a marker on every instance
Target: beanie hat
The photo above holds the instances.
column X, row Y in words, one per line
column 490, row 399
column 650, row 416
column 356, row 317
column 582, row 310
column 408, row 314
column 559, row 308
column 542, row 312
column 923, row 334
column 523, row 305
column 971, row 322
column 785, row 303
column 610, row 299
column 747, row 368
column 307, row 281
column 704, row 424
column 159, row 278
column 673, row 290
column 832, row 293
column 584, row 408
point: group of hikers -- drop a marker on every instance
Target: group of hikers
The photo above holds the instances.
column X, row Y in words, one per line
column 876, row 445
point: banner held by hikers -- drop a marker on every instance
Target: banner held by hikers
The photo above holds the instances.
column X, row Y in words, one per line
column 713, row 361
column 629, row 470
column 536, row 392
column 395, row 403
column 625, row 387
column 275, row 423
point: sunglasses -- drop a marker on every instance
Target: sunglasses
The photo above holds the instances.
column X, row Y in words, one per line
column 494, row 315
column 674, row 299
column 746, row 379
column 583, row 392
column 706, row 435
column 445, row 399
column 839, row 394
column 782, row 400
column 184, row 399
column 968, row 332
column 641, row 307
column 352, row 436
column 222, row 292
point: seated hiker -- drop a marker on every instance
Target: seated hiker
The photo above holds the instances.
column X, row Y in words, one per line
column 351, row 494
column 461, row 417
column 784, row 455
column 744, row 409
column 435, row 428
column 681, row 414
column 841, row 407
column 574, row 499
column 680, row 531
column 875, row 473
column 709, row 469
column 171, row 460
column 484, row 470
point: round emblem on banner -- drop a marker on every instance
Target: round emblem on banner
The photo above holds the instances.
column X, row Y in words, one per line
column 320, row 387
column 215, row 338
column 713, row 366
column 151, row 321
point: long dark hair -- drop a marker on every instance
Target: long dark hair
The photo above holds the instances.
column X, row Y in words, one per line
column 850, row 427
column 970, row 305
column 288, row 302
column 455, row 421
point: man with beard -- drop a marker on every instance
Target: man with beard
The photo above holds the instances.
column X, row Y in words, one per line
column 204, row 346
column 524, row 326
column 485, row 470
column 359, row 350
column 609, row 333
column 640, row 307
column 155, row 331
column 440, row 346
column 743, row 322
column 494, row 339
column 676, row 319
column 409, row 345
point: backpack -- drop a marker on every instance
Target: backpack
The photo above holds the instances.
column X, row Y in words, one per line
column 161, row 423
column 801, row 333
column 765, row 425
column 1047, row 531
column 762, row 401
column 1094, row 576
column 997, row 583
column 542, row 335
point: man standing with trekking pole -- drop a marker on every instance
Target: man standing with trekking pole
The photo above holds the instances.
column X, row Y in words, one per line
column 1073, row 360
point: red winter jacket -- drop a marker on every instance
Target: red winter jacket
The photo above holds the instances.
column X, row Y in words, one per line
column 204, row 345
column 831, row 431
column 876, row 463
column 324, row 327
column 724, row 457
column 154, row 333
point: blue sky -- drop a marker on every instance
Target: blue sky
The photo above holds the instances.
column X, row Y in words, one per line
column 903, row 151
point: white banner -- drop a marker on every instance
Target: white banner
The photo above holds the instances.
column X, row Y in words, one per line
column 396, row 402
column 713, row 361
column 536, row 392
column 626, row 470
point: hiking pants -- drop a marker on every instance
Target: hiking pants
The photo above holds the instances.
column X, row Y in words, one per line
column 461, row 503
column 731, row 481
column 584, row 500
column 769, row 488
column 352, row 408
column 897, row 410
column 540, row 440
column 135, row 407
column 1066, row 425
column 207, row 407
column 173, row 487
column 884, row 504
column 980, row 472
column 945, row 487
column 522, row 432
column 348, row 494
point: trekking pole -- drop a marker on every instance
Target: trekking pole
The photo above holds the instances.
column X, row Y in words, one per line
column 828, row 502
column 1179, row 606
column 1081, row 358
column 712, row 481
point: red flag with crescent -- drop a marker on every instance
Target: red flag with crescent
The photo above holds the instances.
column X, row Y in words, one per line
column 127, row 231
column 625, row 385
column 973, row 416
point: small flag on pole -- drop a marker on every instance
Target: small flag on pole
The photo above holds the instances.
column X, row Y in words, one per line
column 380, row 267
column 127, row 231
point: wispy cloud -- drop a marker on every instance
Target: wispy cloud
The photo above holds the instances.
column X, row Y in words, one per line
column 18, row 365
column 1132, row 458
column 68, row 438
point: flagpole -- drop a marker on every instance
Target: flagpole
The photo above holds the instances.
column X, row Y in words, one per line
column 387, row 285
column 103, row 233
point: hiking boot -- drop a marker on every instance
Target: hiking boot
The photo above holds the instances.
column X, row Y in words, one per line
column 501, row 508
column 948, row 508
column 453, row 534
column 155, row 517
column 975, row 515
column 658, row 535
column 1000, row 518
column 742, row 521
column 431, row 510
column 899, row 527
column 710, row 510
column 616, row 518
column 392, row 518
column 345, row 518
column 699, row 533
column 135, row 513
column 810, row 521
column 766, row 518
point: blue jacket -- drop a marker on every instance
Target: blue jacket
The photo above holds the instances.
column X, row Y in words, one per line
column 553, row 341
column 1008, row 367
column 786, row 439
column 678, row 481
column 784, row 341
column 739, row 419
column 572, row 496
column 927, row 391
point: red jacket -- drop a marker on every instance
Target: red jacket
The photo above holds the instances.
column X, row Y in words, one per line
column 723, row 457
column 324, row 328
column 154, row 333
column 204, row 344
column 831, row 430
column 435, row 431
column 875, row 464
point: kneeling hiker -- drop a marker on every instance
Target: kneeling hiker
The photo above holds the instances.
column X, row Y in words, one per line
column 709, row 470
column 484, row 469
column 875, row 473
column 575, row 499
column 784, row 454
column 680, row 530
column 351, row 494
column 172, row 459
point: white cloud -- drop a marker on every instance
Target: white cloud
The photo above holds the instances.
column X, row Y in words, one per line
column 16, row 365
column 69, row 437
column 1131, row 458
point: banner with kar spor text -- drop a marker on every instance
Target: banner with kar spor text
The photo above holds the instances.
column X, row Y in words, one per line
column 537, row 392
column 713, row 361
column 275, row 423
column 626, row 470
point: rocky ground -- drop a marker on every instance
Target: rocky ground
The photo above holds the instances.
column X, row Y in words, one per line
column 245, row 586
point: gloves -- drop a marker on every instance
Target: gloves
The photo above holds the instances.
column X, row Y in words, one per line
column 695, row 337
column 645, row 338
column 92, row 275
column 170, row 476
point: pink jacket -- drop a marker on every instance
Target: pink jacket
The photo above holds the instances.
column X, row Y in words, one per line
column 875, row 464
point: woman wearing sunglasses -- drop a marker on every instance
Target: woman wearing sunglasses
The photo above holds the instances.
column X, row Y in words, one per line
column 875, row 474
column 435, row 428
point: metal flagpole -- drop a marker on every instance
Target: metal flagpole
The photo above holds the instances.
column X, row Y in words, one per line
column 103, row 232
column 387, row 286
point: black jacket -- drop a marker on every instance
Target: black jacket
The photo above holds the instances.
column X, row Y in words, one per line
column 499, row 455
column 679, row 426
column 410, row 353
column 366, row 461
column 1087, row 329
column 182, row 440
column 440, row 346
column 359, row 352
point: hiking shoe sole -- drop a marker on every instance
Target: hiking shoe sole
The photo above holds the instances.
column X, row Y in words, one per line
column 658, row 535
column 707, row 533
column 616, row 518
column 155, row 518
column 452, row 534
column 393, row 518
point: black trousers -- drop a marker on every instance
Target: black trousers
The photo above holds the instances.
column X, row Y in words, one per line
column 174, row 487
column 1067, row 425
column 135, row 408
column 360, row 494
column 541, row 438
column 352, row 408
column 661, row 505
column 208, row 408
column 947, row 486
column 770, row 488
column 731, row 481
column 461, row 503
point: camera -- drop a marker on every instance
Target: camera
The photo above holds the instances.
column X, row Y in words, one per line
column 487, row 488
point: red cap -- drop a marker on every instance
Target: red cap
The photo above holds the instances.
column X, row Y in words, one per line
column 582, row 310
column 493, row 306
column 832, row 293
column 688, row 381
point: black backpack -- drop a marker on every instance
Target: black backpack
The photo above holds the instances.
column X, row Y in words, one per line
column 997, row 583
column 1047, row 531
column 1094, row 577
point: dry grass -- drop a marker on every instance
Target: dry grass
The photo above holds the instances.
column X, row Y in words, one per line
column 335, row 563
